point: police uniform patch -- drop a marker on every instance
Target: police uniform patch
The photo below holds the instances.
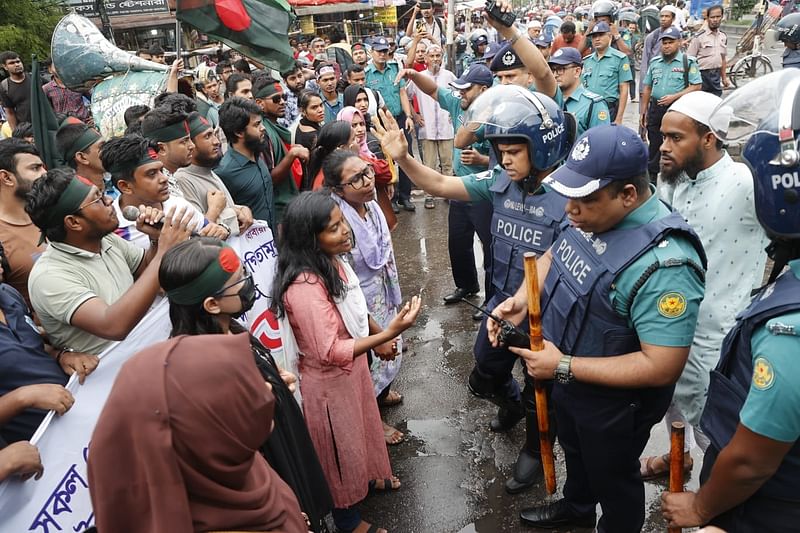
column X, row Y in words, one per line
column 602, row 115
column 626, row 66
column 763, row 374
column 581, row 150
column 672, row 305
column 693, row 69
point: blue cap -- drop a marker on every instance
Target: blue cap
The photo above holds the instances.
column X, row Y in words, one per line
column 542, row 41
column 506, row 59
column 600, row 27
column 380, row 44
column 477, row 74
column 601, row 155
column 491, row 51
column 671, row 33
column 566, row 56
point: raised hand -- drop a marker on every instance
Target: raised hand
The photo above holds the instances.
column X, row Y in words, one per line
column 393, row 141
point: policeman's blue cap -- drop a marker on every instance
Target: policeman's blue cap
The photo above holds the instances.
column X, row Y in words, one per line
column 566, row 56
column 380, row 44
column 542, row 41
column 671, row 33
column 600, row 27
column 477, row 74
column 601, row 155
column 491, row 51
column 506, row 59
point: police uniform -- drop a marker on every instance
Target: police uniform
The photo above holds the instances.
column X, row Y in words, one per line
column 588, row 108
column 665, row 78
column 603, row 75
column 630, row 39
column 755, row 384
column 604, row 295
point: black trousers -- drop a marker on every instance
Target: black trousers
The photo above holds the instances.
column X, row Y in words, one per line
column 613, row 107
column 603, row 432
column 655, row 114
column 403, row 189
column 712, row 81
column 464, row 220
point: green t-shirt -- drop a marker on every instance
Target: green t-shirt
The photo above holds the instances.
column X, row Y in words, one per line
column 664, row 310
column 772, row 407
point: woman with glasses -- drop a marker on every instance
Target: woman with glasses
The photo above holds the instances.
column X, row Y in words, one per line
column 319, row 294
column 352, row 184
column 209, row 290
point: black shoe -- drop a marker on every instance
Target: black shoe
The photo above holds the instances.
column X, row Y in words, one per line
column 477, row 316
column 507, row 417
column 527, row 472
column 554, row 515
column 395, row 207
column 407, row 204
column 456, row 295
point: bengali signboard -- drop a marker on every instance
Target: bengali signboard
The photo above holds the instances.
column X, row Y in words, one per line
column 118, row 8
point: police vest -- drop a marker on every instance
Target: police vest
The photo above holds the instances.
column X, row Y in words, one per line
column 577, row 315
column 520, row 223
column 730, row 382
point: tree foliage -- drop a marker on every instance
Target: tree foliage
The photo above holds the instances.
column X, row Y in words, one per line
column 27, row 25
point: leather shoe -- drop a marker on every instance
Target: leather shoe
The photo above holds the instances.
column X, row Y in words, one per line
column 407, row 204
column 527, row 471
column 455, row 296
column 556, row 514
column 395, row 208
column 477, row 316
column 507, row 418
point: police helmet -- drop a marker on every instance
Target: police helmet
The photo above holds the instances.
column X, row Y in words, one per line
column 772, row 131
column 604, row 8
column 629, row 16
column 513, row 113
column 477, row 38
column 788, row 28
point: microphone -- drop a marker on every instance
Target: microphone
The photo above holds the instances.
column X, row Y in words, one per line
column 132, row 213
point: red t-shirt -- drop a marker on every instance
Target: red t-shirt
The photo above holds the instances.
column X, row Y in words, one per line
column 559, row 42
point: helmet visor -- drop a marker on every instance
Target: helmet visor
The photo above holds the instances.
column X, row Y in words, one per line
column 503, row 106
column 754, row 108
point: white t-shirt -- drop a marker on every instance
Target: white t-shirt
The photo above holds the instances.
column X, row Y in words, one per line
column 127, row 228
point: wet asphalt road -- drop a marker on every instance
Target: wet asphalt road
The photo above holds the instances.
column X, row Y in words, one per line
column 451, row 466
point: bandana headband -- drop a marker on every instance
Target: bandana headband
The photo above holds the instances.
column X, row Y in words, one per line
column 210, row 281
column 68, row 203
column 269, row 90
column 168, row 133
column 87, row 138
column 325, row 70
column 198, row 125
column 147, row 157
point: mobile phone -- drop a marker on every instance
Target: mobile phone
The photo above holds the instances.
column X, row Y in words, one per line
column 506, row 19
column 420, row 26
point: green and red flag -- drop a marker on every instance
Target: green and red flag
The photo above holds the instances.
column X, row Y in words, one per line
column 43, row 120
column 257, row 28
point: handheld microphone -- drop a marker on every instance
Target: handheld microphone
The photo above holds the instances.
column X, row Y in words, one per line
column 132, row 213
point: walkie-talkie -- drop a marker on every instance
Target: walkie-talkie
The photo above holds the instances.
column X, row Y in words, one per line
column 506, row 19
column 510, row 335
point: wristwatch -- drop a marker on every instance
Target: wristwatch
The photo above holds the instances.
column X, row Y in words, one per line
column 563, row 373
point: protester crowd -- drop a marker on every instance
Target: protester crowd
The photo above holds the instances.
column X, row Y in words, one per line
column 523, row 139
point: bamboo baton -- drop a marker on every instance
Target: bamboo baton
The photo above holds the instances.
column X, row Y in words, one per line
column 537, row 344
column 676, row 456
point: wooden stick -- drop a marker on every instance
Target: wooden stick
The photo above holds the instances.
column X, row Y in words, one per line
column 537, row 344
column 676, row 456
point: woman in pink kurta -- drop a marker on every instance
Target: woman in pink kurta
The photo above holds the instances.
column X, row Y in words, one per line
column 321, row 297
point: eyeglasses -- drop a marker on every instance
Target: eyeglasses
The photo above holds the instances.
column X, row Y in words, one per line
column 357, row 181
column 102, row 198
column 278, row 98
column 235, row 283
column 561, row 70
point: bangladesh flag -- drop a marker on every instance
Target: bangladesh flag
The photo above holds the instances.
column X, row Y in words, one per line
column 43, row 120
column 257, row 28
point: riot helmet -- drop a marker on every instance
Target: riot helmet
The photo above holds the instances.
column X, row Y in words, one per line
column 509, row 113
column 478, row 38
column 788, row 28
column 604, row 8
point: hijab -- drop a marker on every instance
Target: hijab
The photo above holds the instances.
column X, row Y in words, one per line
column 347, row 114
column 175, row 449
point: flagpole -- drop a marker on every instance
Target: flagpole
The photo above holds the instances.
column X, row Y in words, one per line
column 177, row 36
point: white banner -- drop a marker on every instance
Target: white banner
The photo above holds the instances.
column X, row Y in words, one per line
column 60, row 501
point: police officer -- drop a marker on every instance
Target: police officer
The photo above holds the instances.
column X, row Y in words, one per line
column 588, row 108
column 788, row 29
column 607, row 72
column 530, row 135
column 478, row 43
column 750, row 480
column 604, row 11
column 669, row 76
column 621, row 288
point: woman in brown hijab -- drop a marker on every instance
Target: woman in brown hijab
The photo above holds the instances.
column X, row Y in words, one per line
column 176, row 447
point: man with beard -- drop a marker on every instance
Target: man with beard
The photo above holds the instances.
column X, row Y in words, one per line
column 202, row 188
column 295, row 81
column 710, row 49
column 169, row 129
column 239, row 85
column 243, row 169
column 327, row 82
column 20, row 166
column 79, row 146
column 715, row 196
column 360, row 54
column 90, row 287
column 138, row 174
column 15, row 91
column 283, row 158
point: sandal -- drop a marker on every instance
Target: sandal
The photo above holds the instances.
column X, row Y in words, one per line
column 392, row 435
column 392, row 398
column 386, row 484
column 430, row 202
column 366, row 527
column 657, row 466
